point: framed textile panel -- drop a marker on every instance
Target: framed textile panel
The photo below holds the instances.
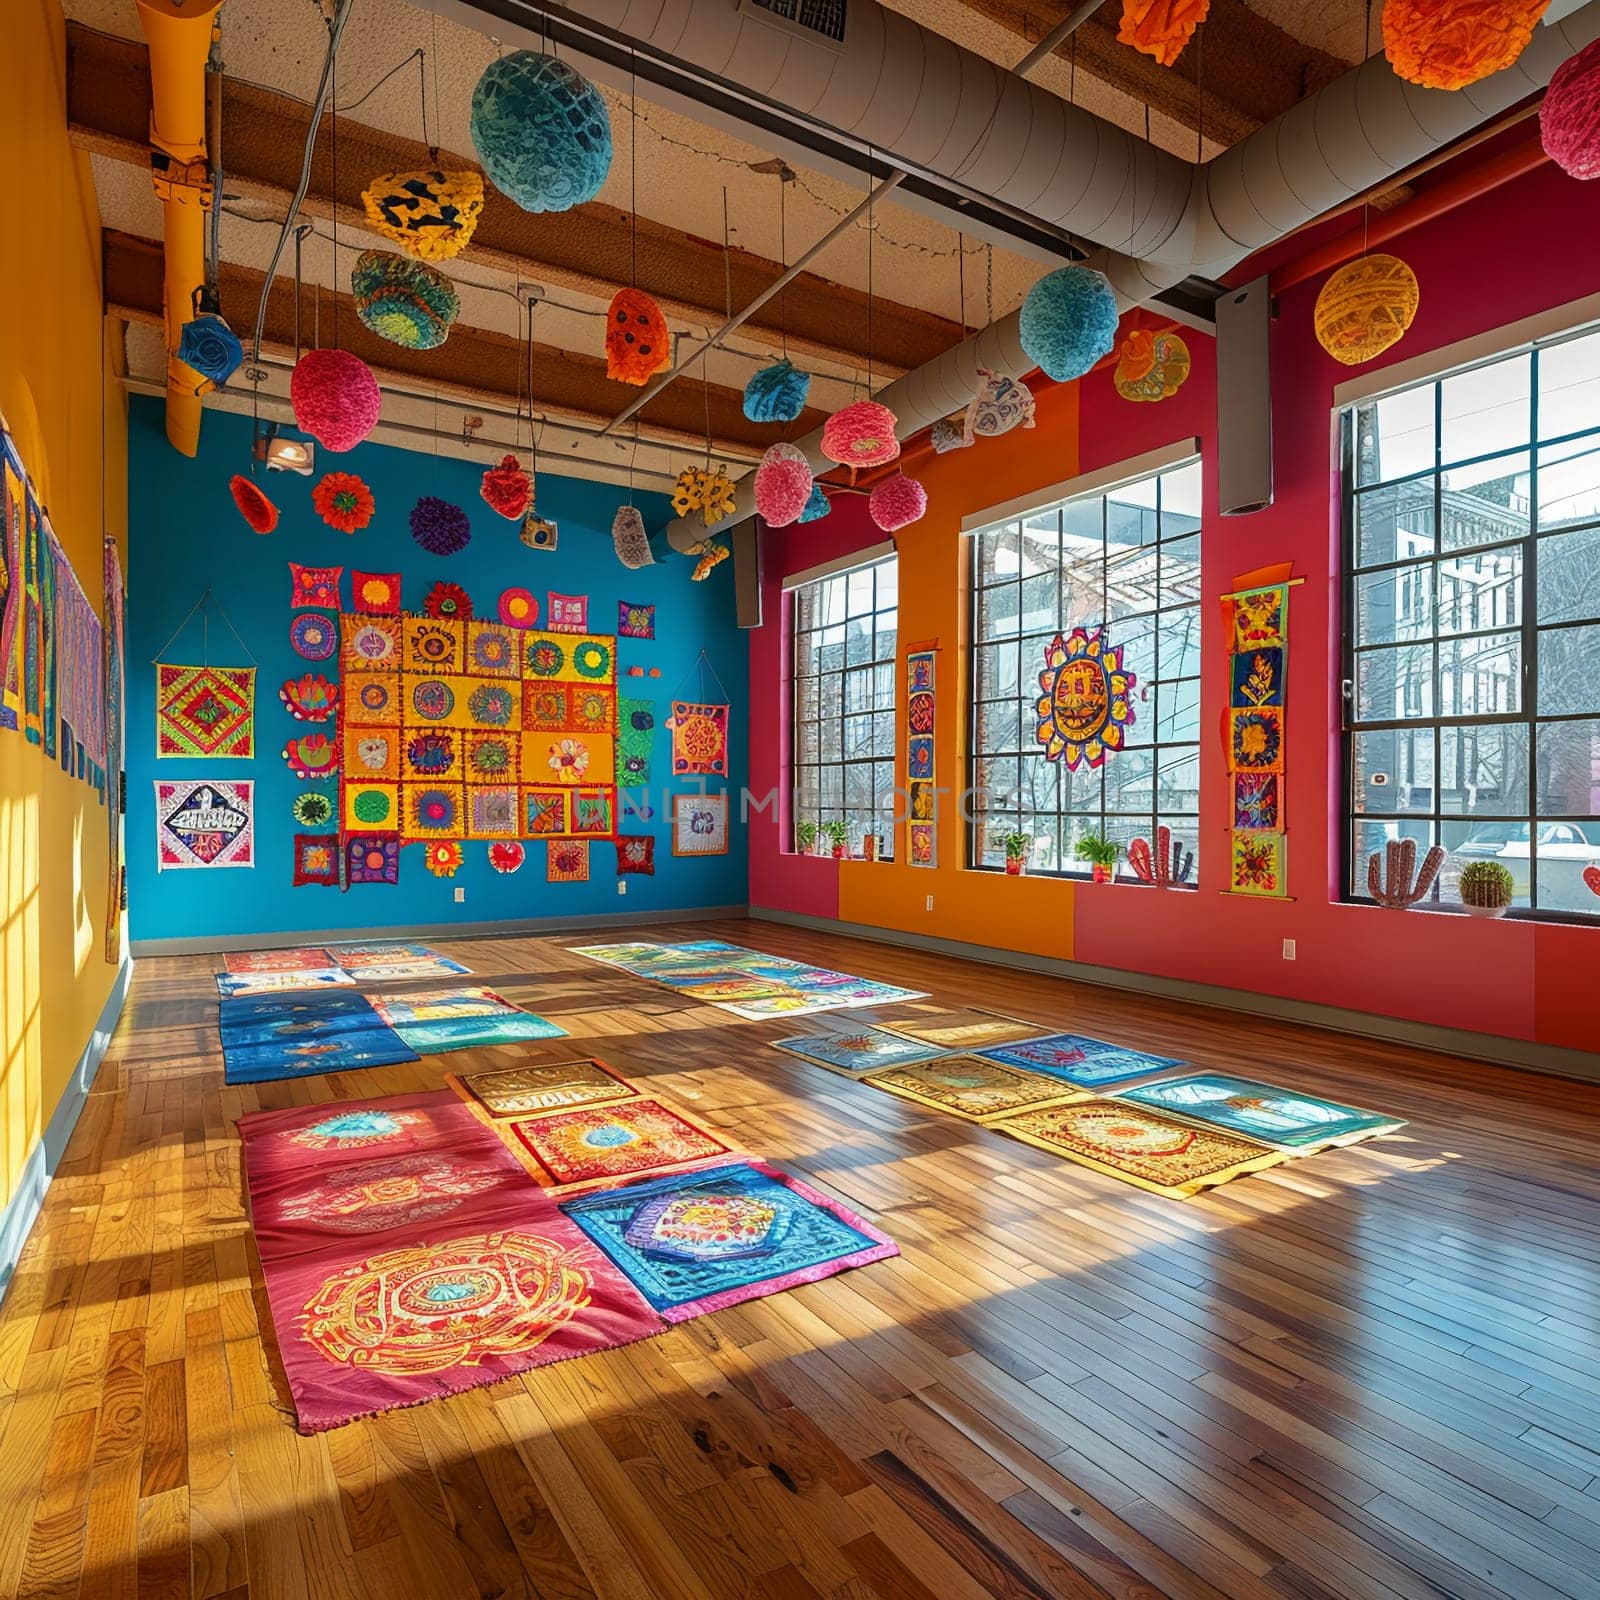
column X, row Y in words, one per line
column 590, row 1145
column 205, row 711
column 699, row 824
column 699, row 738
column 316, row 859
column 567, row 861
column 636, row 853
column 546, row 1086
column 204, row 824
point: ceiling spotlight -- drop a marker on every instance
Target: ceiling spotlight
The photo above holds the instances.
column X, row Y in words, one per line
column 285, row 455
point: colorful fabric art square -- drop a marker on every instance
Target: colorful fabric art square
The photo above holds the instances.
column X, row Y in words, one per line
column 588, row 1144
column 587, row 759
column 371, row 807
column 316, row 860
column 1298, row 1122
column 921, row 714
column 1256, row 863
column 921, row 843
column 699, row 824
column 544, row 812
column 313, row 636
column 490, row 757
column 239, row 1015
column 971, row 1087
column 432, row 646
column 727, row 986
column 863, row 992
column 635, row 621
column 1255, row 739
column 1085, row 703
column 919, row 756
column 325, row 1051
column 472, row 1033
column 435, row 811
column 1257, row 678
column 473, row 1000
column 314, row 586
column 492, row 811
column 312, row 756
column 1141, row 1147
column 791, row 1003
column 303, row 958
column 699, row 738
column 1257, row 619
column 375, row 594
column 386, row 953
column 1078, row 1059
column 636, row 727
column 204, row 824
column 312, row 1024
column 407, row 971
column 966, row 1028
column 566, row 613
column 857, row 1051
column 205, row 711
column 1256, row 800
column 545, row 707
column 1256, row 622
column 494, row 650
column 247, row 985
column 433, row 754
column 546, row 1086
column 371, row 699
column 699, row 1242
column 594, row 708
column 636, row 853
column 372, row 858
column 309, row 697
column 492, row 704
column 567, row 861
column 371, row 644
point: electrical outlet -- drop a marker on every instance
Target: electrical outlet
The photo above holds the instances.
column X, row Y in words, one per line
column 1288, row 949
column 461, row 894
column 622, row 885
column 930, row 902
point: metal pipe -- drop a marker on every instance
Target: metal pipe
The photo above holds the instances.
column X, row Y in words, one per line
column 1057, row 36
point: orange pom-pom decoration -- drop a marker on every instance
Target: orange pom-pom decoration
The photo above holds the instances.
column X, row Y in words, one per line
column 343, row 501
column 508, row 488
column 1150, row 366
column 638, row 341
column 1447, row 44
column 862, row 435
column 1161, row 28
column 253, row 505
column 1365, row 307
column 1569, row 118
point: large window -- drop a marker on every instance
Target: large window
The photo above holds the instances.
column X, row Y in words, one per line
column 844, row 698
column 1126, row 561
column 1472, row 622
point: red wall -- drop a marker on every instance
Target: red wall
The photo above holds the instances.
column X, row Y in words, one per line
column 1485, row 264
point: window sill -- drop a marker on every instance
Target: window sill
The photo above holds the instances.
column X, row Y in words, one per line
column 1522, row 914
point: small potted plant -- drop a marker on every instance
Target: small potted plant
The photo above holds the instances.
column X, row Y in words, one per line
column 805, row 837
column 1016, row 845
column 1101, row 853
column 1486, row 888
column 837, row 833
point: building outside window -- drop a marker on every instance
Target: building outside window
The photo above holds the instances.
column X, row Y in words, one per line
column 844, row 642
column 1472, row 623
column 1125, row 561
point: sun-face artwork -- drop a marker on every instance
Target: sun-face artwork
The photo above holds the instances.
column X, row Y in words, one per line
column 1087, row 703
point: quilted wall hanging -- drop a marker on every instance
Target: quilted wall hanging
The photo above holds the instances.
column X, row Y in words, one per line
column 921, row 706
column 205, row 711
column 699, row 724
column 1086, row 699
column 699, row 824
column 204, row 824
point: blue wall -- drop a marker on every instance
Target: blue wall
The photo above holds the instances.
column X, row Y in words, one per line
column 185, row 535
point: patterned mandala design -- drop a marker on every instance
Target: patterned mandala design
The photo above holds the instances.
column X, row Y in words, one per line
column 390, row 1193
column 432, row 700
column 491, row 704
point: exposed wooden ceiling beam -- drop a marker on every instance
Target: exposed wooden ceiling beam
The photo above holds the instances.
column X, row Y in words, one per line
column 472, row 363
column 589, row 249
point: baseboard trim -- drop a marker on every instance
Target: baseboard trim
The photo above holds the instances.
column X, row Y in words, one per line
column 142, row 948
column 1519, row 1053
column 22, row 1210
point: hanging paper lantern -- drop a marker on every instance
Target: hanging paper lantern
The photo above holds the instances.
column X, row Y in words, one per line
column 1448, row 44
column 508, row 488
column 783, row 485
column 518, row 608
column 1069, row 321
column 439, row 527
column 541, row 131
column 629, row 539
column 862, row 435
column 1161, row 28
column 947, row 435
column 711, row 554
column 507, row 855
column 897, row 502
column 777, row 393
column 638, row 341
column 429, row 214
column 210, row 347
column 253, row 504
column 443, row 859
column 817, row 506
column 406, row 302
column 1150, row 366
column 1365, row 307
column 343, row 501
column 335, row 398
column 448, row 600
column 1000, row 405
column 1569, row 119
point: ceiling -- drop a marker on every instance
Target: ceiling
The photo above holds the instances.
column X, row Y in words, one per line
column 691, row 189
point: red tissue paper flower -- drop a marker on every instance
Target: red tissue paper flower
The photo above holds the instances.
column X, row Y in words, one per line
column 897, row 502
column 343, row 501
column 253, row 504
column 1569, row 119
column 861, row 435
column 448, row 600
column 508, row 488
column 335, row 398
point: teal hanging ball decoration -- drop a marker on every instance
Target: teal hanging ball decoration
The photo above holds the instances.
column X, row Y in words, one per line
column 403, row 300
column 777, row 393
column 817, row 507
column 1069, row 321
column 542, row 131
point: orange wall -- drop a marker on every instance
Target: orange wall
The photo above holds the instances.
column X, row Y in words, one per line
column 56, row 391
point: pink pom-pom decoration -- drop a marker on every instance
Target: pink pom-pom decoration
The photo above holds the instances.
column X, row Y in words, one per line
column 335, row 397
column 783, row 485
column 862, row 435
column 897, row 502
column 1569, row 119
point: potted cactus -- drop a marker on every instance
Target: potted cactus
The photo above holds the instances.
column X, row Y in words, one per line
column 1101, row 853
column 1016, row 845
column 805, row 837
column 1486, row 888
column 837, row 833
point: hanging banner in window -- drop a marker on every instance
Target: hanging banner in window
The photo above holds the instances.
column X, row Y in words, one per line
column 921, row 690
column 1087, row 701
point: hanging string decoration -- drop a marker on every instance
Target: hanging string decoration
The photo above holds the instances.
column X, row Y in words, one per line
column 897, row 502
column 1569, row 118
column 1161, row 28
column 1448, row 44
column 335, row 398
column 1001, row 404
column 343, row 501
column 861, row 435
column 1365, row 307
column 629, row 539
column 430, row 214
column 253, row 504
column 542, row 131
column 784, row 481
column 1069, row 321
column 708, row 490
column 1150, row 366
column 711, row 554
column 508, row 489
column 404, row 301
column 817, row 506
column 638, row 340
column 777, row 393
column 439, row 527
column 210, row 347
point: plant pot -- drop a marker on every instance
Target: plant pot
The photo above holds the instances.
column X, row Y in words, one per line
column 840, row 852
column 1485, row 911
column 1105, row 875
column 1016, row 866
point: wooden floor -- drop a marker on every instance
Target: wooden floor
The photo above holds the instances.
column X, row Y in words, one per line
column 1365, row 1374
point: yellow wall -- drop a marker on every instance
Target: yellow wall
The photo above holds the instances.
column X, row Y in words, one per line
column 56, row 391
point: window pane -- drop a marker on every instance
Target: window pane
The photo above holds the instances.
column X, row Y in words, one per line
column 1485, row 409
column 1370, row 838
column 1394, row 683
column 1483, row 767
column 1180, row 501
column 1179, row 642
column 996, row 672
column 1395, row 604
column 1569, row 482
column 1569, row 769
column 1505, row 842
column 1563, row 854
column 1569, row 671
column 1180, row 572
column 1394, row 436
column 1569, row 577
column 1569, row 386
column 1394, row 522
column 1480, row 591
column 1480, row 676
column 1484, row 502
column 1393, row 770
